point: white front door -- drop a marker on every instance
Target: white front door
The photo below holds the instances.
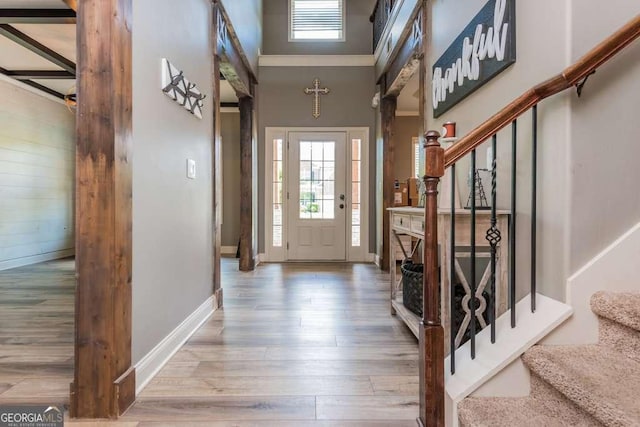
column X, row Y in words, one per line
column 317, row 190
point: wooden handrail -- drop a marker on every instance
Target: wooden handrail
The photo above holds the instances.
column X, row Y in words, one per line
column 568, row 78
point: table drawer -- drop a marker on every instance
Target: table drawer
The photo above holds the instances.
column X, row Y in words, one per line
column 402, row 221
column 417, row 224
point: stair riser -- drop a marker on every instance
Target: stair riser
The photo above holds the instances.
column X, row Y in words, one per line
column 619, row 337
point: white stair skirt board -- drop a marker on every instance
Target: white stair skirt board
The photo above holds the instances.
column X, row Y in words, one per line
column 614, row 269
column 150, row 365
column 36, row 259
column 510, row 344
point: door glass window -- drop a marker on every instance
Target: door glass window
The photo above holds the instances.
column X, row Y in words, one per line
column 317, row 179
column 277, row 192
column 356, row 184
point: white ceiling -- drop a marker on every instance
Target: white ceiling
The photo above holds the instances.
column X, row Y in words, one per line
column 409, row 98
column 61, row 38
column 32, row 4
column 227, row 94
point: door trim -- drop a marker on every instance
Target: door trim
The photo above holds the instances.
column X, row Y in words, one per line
column 279, row 254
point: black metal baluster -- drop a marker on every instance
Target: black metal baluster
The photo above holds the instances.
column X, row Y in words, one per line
column 512, row 225
column 472, row 301
column 534, row 196
column 494, row 237
column 452, row 271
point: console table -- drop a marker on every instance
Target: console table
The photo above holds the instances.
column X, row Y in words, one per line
column 410, row 221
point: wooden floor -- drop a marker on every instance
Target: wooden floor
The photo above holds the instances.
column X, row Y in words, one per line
column 36, row 333
column 296, row 345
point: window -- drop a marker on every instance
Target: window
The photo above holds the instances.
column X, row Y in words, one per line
column 417, row 163
column 356, row 184
column 317, row 180
column 316, row 20
column 278, row 201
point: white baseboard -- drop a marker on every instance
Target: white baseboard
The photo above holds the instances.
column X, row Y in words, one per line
column 35, row 259
column 151, row 364
column 371, row 257
column 376, row 259
column 228, row 250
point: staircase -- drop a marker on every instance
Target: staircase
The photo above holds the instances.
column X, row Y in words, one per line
column 582, row 385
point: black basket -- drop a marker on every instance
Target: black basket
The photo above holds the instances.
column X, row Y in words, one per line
column 412, row 287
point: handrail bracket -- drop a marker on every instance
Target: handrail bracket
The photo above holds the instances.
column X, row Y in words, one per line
column 580, row 85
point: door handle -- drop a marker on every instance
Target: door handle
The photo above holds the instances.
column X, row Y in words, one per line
column 341, row 206
column 342, row 197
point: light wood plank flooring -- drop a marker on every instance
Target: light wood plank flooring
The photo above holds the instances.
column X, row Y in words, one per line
column 295, row 345
column 36, row 333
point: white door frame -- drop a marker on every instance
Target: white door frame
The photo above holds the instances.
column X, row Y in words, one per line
column 353, row 254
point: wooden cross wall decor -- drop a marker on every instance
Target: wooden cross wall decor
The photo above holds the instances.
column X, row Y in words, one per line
column 316, row 91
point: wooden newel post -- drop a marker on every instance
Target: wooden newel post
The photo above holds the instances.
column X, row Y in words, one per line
column 431, row 332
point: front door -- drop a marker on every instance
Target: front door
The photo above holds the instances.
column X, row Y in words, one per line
column 317, row 204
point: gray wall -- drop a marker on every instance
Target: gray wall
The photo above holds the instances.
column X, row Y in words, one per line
column 231, row 178
column 540, row 55
column 605, row 134
column 405, row 129
column 358, row 40
column 246, row 18
column 586, row 189
column 282, row 103
column 37, row 170
column 172, row 215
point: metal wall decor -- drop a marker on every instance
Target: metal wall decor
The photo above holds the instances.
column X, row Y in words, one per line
column 316, row 91
column 181, row 90
column 485, row 48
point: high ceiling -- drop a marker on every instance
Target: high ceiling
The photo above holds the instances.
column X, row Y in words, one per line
column 409, row 98
column 38, row 46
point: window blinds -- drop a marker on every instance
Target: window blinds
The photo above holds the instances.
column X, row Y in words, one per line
column 317, row 20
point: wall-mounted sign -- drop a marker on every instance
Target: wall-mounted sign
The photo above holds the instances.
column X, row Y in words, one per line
column 485, row 48
column 181, row 90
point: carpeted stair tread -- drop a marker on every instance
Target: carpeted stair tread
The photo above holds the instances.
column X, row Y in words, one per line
column 512, row 412
column 622, row 307
column 599, row 380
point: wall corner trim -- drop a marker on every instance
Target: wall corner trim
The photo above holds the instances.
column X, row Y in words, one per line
column 152, row 362
column 316, row 61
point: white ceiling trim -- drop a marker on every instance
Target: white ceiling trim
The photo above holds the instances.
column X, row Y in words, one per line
column 407, row 113
column 316, row 61
column 30, row 89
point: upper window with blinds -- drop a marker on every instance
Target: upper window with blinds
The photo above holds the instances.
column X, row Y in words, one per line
column 316, row 20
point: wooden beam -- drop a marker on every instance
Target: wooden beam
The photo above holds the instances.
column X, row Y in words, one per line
column 104, row 380
column 247, row 261
column 217, row 160
column 39, row 74
column 233, row 64
column 73, row 4
column 33, row 84
column 388, row 111
column 36, row 47
column 37, row 16
column 43, row 88
column 407, row 61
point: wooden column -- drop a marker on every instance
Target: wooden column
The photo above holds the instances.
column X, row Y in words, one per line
column 217, row 156
column 431, row 334
column 247, row 261
column 388, row 112
column 104, row 381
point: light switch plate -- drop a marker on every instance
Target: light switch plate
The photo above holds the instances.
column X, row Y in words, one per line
column 191, row 169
